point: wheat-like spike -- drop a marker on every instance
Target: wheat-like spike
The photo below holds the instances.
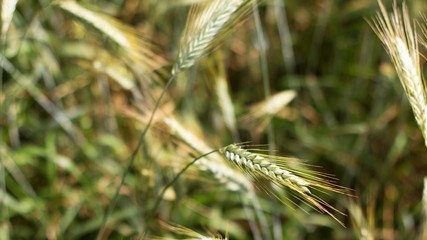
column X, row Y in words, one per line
column 206, row 26
column 280, row 172
column 101, row 61
column 191, row 234
column 260, row 114
column 223, row 95
column 400, row 41
column 234, row 180
column 225, row 103
column 7, row 9
column 262, row 166
column 363, row 225
column 138, row 51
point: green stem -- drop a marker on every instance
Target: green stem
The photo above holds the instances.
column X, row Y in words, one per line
column 267, row 93
column 132, row 159
column 4, row 210
column 160, row 197
column 264, row 72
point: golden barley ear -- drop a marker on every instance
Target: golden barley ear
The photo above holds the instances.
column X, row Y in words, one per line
column 261, row 113
column 400, row 41
column 7, row 9
column 286, row 173
column 138, row 52
column 191, row 234
column 213, row 164
column 207, row 24
column 99, row 60
column 218, row 74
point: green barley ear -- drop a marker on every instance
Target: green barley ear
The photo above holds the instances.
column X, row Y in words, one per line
column 285, row 173
column 207, row 24
column 400, row 40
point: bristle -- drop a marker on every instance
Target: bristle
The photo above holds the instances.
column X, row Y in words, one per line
column 279, row 173
column 400, row 40
column 231, row 178
column 206, row 26
column 191, row 234
column 262, row 166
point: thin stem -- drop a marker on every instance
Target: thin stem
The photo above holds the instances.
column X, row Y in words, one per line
column 4, row 209
column 289, row 60
column 284, row 35
column 258, row 209
column 264, row 71
column 265, row 79
column 132, row 159
column 251, row 220
column 160, row 197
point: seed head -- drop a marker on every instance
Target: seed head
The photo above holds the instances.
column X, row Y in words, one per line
column 287, row 173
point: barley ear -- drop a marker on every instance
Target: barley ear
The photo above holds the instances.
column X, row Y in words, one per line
column 7, row 9
column 232, row 179
column 286, row 173
column 223, row 96
column 191, row 234
column 260, row 114
column 400, row 41
column 139, row 53
column 207, row 25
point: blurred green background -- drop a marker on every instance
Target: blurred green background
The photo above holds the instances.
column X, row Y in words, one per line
column 73, row 105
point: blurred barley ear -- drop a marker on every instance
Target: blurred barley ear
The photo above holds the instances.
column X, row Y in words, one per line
column 136, row 51
column 400, row 40
column 232, row 179
column 260, row 114
column 191, row 234
column 223, row 97
column 423, row 233
column 7, row 9
column 361, row 224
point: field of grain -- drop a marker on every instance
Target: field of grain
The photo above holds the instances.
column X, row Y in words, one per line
column 213, row 119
